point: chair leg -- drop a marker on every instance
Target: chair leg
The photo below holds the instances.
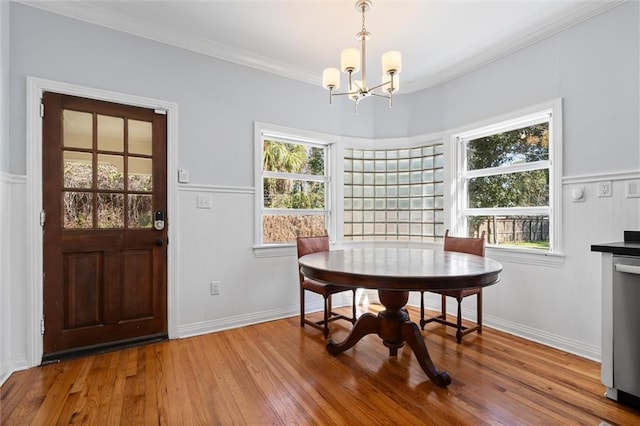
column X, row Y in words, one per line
column 479, row 310
column 422, row 320
column 459, row 321
column 301, row 307
column 443, row 307
column 353, row 307
column 327, row 310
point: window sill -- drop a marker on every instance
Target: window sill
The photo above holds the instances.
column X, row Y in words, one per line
column 275, row 250
column 525, row 256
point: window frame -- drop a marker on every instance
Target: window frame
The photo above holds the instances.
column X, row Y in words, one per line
column 264, row 131
column 551, row 111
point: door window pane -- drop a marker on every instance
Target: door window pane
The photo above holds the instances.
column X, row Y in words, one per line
column 140, row 137
column 78, row 169
column 140, row 208
column 77, row 210
column 140, row 174
column 110, row 133
column 110, row 210
column 77, row 129
column 110, row 172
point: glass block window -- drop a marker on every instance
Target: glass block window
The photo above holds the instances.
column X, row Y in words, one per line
column 394, row 194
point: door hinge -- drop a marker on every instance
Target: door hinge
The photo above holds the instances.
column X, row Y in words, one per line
column 42, row 326
column 41, row 109
column 43, row 218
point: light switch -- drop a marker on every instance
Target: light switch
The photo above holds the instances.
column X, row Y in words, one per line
column 633, row 189
column 183, row 176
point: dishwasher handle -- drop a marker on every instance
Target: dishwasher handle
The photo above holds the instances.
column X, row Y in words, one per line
column 628, row 269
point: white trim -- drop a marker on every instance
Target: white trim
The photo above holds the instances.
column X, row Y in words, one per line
column 35, row 89
column 11, row 179
column 216, row 188
column 596, row 177
column 86, row 11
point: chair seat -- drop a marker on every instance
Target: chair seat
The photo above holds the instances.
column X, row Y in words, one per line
column 321, row 288
column 458, row 293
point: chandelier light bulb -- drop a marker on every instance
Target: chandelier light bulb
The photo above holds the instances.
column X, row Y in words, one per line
column 392, row 62
column 331, row 78
column 350, row 60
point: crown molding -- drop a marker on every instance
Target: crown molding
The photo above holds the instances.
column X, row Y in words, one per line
column 588, row 10
column 92, row 13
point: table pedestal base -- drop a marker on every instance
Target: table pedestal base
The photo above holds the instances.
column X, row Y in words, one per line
column 395, row 328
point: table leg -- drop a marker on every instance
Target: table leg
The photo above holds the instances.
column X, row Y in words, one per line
column 395, row 328
column 412, row 335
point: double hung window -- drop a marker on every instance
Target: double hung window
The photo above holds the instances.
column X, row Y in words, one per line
column 295, row 187
column 507, row 179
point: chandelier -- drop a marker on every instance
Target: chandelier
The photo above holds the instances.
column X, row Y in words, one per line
column 352, row 61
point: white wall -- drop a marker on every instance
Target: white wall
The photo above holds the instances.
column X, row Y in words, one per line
column 593, row 66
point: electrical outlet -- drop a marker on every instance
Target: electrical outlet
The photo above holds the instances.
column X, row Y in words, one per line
column 203, row 201
column 604, row 189
column 215, row 288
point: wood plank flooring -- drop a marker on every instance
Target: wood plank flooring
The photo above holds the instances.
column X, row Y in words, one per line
column 279, row 373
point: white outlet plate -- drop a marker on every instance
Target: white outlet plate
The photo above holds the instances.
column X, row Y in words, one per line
column 215, row 288
column 604, row 189
column 204, row 201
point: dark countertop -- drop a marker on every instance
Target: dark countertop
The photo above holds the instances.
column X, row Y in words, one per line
column 629, row 247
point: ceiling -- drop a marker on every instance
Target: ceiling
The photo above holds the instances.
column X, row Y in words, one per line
column 439, row 39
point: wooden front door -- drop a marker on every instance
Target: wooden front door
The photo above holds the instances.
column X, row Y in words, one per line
column 104, row 187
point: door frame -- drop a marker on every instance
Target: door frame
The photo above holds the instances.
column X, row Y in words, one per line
column 35, row 88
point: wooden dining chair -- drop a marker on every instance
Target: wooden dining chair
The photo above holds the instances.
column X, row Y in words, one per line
column 463, row 245
column 308, row 245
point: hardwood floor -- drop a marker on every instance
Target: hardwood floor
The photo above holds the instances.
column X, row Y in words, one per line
column 279, row 373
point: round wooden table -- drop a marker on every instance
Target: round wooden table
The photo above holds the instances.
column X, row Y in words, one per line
column 394, row 272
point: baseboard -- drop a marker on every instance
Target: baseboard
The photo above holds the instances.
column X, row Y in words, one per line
column 555, row 341
column 204, row 327
column 11, row 367
column 562, row 343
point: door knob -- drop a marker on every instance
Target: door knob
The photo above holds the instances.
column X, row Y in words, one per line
column 159, row 242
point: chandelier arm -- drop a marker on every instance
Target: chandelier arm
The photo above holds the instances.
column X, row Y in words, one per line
column 380, row 95
column 378, row 86
column 345, row 93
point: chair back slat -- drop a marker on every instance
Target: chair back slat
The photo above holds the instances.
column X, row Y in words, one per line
column 308, row 245
column 464, row 245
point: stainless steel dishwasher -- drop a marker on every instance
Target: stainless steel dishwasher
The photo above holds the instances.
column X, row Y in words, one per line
column 626, row 324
